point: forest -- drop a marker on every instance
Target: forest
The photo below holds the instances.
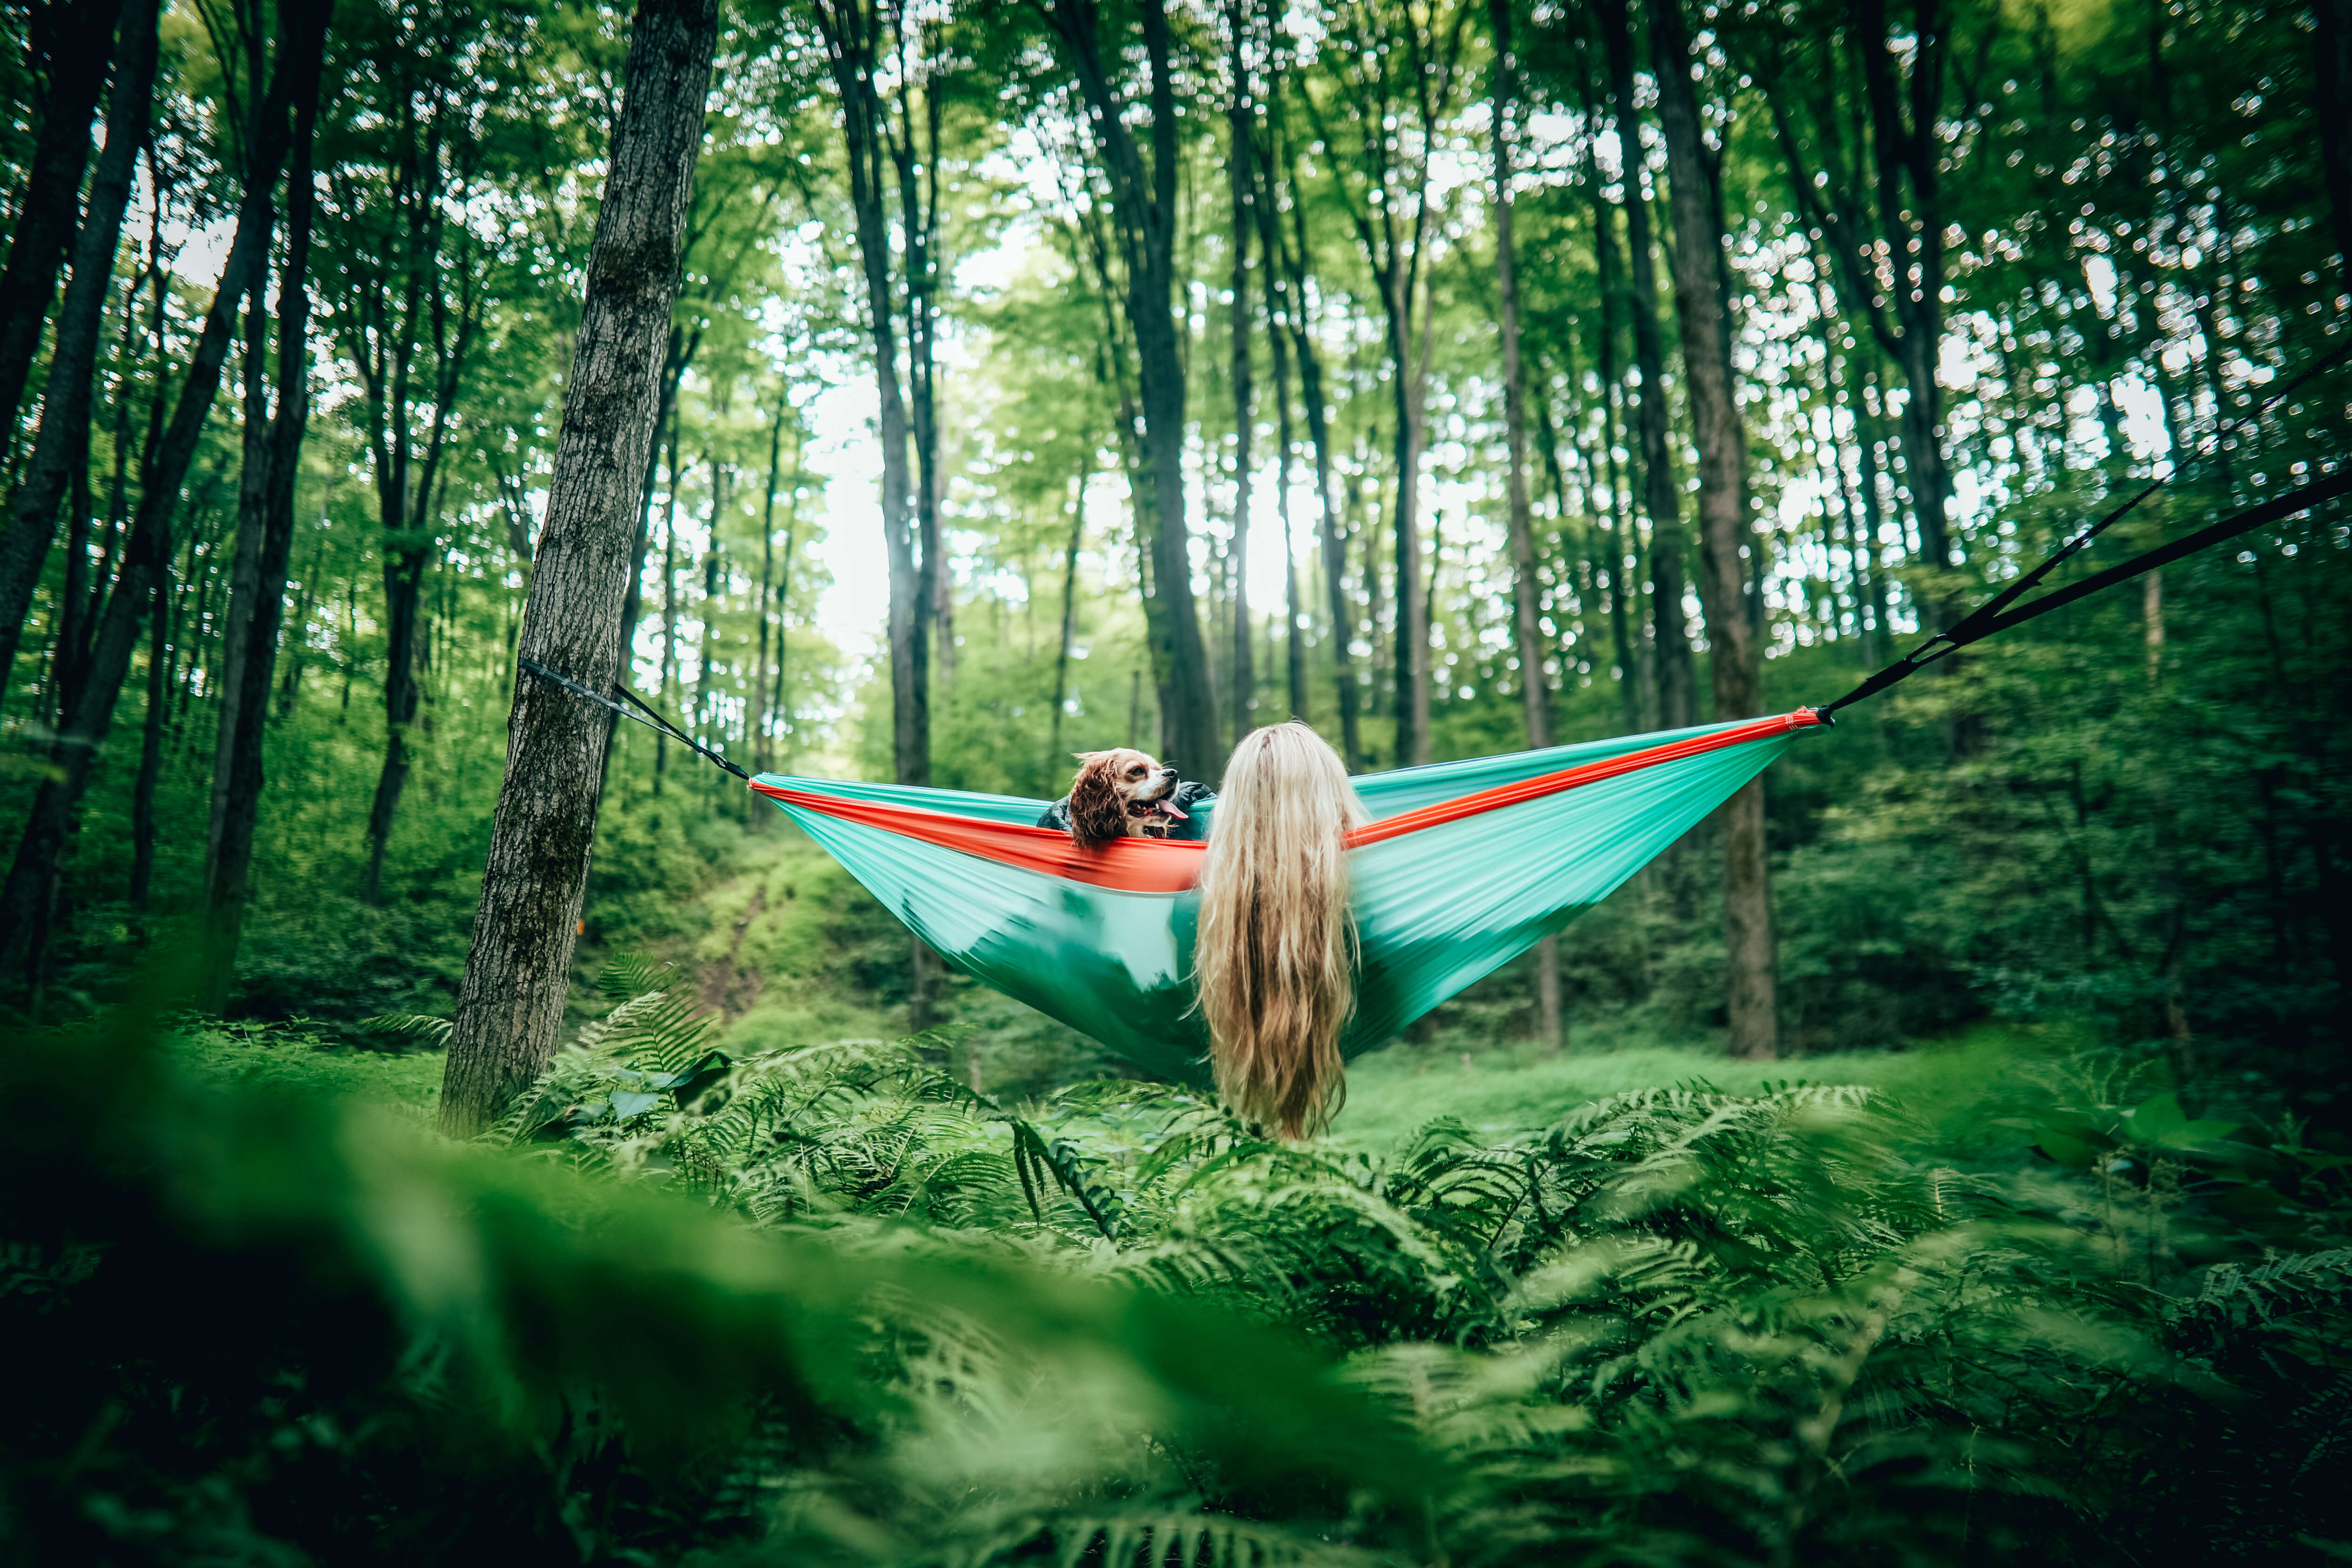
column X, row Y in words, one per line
column 453, row 1119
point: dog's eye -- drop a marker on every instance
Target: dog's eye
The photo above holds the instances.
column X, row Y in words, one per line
column 1135, row 773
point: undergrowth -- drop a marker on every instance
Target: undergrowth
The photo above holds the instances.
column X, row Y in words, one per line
column 828, row 1304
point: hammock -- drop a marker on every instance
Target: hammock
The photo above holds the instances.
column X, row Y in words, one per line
column 1466, row 866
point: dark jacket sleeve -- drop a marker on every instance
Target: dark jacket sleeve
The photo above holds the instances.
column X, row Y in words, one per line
column 1189, row 796
column 1058, row 815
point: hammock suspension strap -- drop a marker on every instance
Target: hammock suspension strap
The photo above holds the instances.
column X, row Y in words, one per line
column 1995, row 615
column 651, row 718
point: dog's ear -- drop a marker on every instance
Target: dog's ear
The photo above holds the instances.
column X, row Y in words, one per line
column 1097, row 815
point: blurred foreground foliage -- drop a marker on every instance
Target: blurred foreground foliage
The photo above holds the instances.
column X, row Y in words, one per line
column 825, row 1304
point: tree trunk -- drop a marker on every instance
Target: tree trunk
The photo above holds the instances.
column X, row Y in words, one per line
column 403, row 597
column 74, row 37
column 1526, row 626
column 763, row 754
column 1144, row 207
column 1621, row 527
column 150, row 746
column 1677, row 694
column 73, row 357
column 510, row 1004
column 1735, row 656
column 147, row 553
column 2332, row 79
column 1277, row 337
column 250, row 659
column 1319, row 435
column 1241, row 186
column 1055, row 762
column 852, row 35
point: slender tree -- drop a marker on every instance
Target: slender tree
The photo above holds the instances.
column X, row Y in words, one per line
column 1147, row 220
column 1527, row 588
column 857, row 41
column 1397, row 73
column 1289, row 262
column 1662, row 498
column 1241, row 185
column 510, row 1003
column 265, row 549
column 1735, row 657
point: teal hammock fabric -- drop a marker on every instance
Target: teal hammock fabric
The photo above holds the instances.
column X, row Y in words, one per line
column 1466, row 866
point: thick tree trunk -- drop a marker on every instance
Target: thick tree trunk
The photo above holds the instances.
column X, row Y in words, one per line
column 1677, row 693
column 511, row 1005
column 253, row 623
column 74, row 38
column 1735, row 657
column 147, row 554
column 1143, row 203
column 73, row 357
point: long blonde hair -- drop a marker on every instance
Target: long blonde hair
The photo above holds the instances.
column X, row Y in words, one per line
column 1275, row 954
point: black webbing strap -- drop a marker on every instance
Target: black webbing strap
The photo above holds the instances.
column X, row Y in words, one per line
column 651, row 718
column 1992, row 617
column 1995, row 615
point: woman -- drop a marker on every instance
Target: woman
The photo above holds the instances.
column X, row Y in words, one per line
column 1274, row 955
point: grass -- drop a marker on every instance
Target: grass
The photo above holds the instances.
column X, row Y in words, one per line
column 1954, row 1086
column 236, row 1055
column 1950, row 1085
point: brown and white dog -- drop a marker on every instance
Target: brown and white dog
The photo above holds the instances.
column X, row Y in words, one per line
column 1123, row 794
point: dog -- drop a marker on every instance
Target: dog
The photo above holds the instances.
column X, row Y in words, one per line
column 1123, row 794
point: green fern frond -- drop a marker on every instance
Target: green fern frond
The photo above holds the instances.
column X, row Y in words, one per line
column 414, row 1026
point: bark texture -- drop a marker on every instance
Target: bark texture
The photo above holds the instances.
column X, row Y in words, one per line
column 510, row 1004
column 72, row 38
column 1734, row 657
column 65, row 402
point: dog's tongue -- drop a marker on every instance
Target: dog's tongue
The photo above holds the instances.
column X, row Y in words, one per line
column 1170, row 808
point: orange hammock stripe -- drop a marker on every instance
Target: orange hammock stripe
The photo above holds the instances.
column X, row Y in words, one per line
column 1171, row 866
column 1535, row 788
